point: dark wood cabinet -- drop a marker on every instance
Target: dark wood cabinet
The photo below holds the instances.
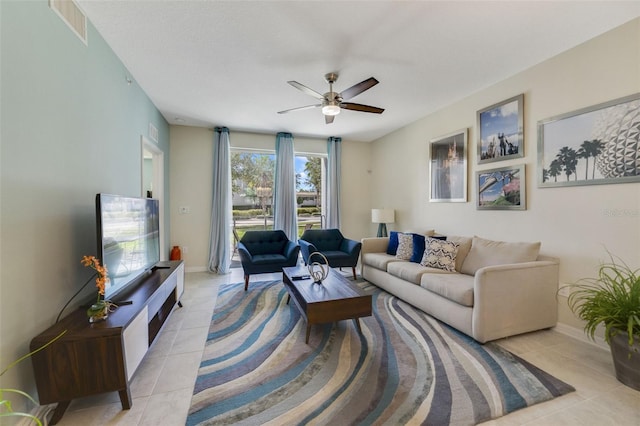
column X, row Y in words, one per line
column 90, row 359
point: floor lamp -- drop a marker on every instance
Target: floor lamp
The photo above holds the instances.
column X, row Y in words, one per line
column 382, row 217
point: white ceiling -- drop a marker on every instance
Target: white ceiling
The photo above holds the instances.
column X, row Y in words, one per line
column 227, row 63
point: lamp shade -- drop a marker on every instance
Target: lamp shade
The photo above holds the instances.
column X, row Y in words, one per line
column 383, row 215
column 331, row 109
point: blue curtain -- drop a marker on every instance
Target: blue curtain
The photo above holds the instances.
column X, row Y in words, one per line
column 334, row 151
column 284, row 197
column 220, row 238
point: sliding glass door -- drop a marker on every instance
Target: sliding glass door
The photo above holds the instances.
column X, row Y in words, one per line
column 252, row 175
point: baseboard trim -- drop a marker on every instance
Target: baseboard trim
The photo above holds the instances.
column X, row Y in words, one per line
column 41, row 412
column 579, row 334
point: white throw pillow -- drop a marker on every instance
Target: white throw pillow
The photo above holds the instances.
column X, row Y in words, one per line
column 440, row 254
column 487, row 253
column 464, row 245
column 405, row 246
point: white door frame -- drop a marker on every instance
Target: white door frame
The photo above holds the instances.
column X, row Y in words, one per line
column 157, row 183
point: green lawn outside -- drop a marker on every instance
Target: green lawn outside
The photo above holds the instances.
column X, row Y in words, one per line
column 241, row 231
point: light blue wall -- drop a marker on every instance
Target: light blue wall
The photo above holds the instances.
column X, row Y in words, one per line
column 71, row 127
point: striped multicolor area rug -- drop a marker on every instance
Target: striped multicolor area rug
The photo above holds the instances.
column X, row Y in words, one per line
column 405, row 368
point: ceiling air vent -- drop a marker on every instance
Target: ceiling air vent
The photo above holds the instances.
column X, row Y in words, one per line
column 72, row 15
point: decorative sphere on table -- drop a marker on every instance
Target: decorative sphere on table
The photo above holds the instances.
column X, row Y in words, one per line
column 317, row 270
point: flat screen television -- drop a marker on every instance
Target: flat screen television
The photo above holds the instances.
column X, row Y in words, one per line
column 128, row 238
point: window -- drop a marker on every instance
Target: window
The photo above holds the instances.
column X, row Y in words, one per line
column 252, row 189
column 310, row 175
column 252, row 176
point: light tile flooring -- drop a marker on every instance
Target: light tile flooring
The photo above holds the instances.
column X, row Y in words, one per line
column 162, row 387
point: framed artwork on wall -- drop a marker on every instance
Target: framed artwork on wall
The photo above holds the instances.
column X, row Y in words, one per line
column 599, row 144
column 448, row 168
column 500, row 131
column 501, row 189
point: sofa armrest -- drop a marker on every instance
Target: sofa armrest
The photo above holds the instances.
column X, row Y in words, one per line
column 374, row 245
column 514, row 298
column 291, row 251
column 352, row 247
column 245, row 256
column 306, row 248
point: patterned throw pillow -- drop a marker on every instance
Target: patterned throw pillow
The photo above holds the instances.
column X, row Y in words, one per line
column 440, row 254
column 405, row 246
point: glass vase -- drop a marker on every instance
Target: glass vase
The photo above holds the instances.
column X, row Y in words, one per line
column 99, row 311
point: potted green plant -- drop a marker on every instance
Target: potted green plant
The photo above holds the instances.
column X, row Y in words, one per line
column 6, row 408
column 613, row 300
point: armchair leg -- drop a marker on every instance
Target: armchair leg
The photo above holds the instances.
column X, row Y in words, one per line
column 246, row 282
column 354, row 272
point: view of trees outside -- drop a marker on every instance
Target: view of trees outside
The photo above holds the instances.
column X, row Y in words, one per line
column 252, row 176
column 309, row 172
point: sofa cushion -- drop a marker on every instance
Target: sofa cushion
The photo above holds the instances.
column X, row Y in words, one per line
column 324, row 240
column 453, row 286
column 409, row 271
column 265, row 242
column 427, row 233
column 405, row 246
column 464, row 245
column 331, row 255
column 392, row 248
column 487, row 253
column 265, row 259
column 378, row 260
column 440, row 254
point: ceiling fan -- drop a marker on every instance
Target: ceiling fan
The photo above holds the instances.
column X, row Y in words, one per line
column 332, row 101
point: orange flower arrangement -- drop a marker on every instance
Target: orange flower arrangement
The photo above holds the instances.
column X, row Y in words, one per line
column 99, row 310
column 103, row 274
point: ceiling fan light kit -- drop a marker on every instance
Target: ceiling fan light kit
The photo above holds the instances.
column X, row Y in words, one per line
column 332, row 102
column 331, row 109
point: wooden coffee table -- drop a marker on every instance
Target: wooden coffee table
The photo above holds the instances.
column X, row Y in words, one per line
column 335, row 299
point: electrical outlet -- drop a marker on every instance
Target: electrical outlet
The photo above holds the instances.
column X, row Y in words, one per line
column 185, row 249
column 184, row 210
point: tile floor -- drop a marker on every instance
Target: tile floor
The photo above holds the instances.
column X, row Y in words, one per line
column 162, row 387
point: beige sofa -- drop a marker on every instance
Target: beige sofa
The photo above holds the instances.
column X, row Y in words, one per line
column 497, row 289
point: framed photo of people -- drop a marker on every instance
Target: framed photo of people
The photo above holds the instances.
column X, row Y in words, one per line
column 595, row 145
column 448, row 168
column 500, row 131
column 501, row 189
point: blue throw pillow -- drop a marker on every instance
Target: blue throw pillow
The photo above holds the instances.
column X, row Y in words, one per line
column 392, row 248
column 418, row 248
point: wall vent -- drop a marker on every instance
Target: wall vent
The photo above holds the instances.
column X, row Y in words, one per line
column 153, row 133
column 72, row 15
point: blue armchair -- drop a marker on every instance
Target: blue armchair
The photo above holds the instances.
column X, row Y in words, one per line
column 266, row 251
column 338, row 250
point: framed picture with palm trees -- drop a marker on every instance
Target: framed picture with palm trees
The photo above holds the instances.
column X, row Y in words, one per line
column 599, row 144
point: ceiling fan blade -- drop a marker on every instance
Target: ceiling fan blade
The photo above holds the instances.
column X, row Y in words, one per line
column 299, row 108
column 305, row 89
column 360, row 107
column 328, row 119
column 356, row 89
